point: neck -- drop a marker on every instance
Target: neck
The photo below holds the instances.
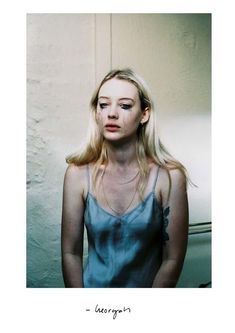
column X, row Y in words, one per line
column 122, row 156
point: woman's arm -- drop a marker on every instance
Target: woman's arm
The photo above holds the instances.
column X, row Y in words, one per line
column 175, row 232
column 72, row 227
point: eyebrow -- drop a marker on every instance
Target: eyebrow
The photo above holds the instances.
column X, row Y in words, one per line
column 122, row 98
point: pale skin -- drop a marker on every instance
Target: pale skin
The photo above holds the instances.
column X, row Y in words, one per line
column 119, row 105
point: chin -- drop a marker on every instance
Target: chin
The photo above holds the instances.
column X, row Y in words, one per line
column 112, row 137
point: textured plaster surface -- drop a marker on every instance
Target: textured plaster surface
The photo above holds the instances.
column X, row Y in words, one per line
column 59, row 57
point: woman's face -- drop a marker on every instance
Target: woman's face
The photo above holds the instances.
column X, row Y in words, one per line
column 118, row 110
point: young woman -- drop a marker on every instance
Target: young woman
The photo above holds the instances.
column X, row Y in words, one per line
column 128, row 191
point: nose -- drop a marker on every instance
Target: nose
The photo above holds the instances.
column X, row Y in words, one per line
column 113, row 112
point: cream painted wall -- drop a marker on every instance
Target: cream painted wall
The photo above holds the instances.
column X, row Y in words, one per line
column 67, row 54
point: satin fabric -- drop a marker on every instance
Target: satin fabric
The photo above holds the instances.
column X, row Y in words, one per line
column 123, row 251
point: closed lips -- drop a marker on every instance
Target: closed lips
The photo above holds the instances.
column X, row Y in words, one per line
column 112, row 125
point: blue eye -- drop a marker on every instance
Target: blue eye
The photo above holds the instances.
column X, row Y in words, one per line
column 103, row 105
column 125, row 106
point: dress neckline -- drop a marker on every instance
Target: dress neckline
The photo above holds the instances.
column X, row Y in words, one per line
column 128, row 212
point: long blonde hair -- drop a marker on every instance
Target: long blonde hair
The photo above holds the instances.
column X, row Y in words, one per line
column 148, row 146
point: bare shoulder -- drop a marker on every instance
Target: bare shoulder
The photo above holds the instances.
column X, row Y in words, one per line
column 177, row 177
column 75, row 178
column 74, row 172
column 172, row 180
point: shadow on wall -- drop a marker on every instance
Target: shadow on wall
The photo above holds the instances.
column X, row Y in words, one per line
column 197, row 266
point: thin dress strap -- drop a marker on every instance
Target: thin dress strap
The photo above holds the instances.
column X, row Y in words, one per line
column 155, row 181
column 88, row 178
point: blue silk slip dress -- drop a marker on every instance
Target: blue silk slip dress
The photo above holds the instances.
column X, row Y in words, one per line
column 124, row 251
